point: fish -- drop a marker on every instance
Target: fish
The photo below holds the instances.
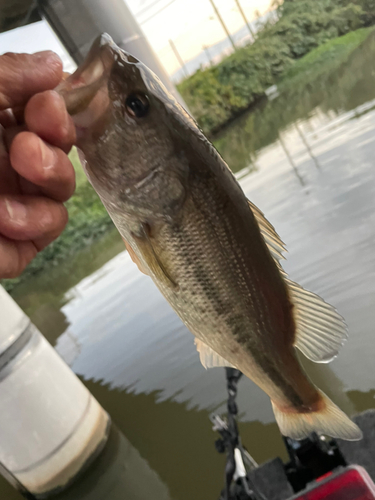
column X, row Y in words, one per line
column 187, row 224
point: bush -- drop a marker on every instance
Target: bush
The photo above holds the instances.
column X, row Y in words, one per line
column 218, row 94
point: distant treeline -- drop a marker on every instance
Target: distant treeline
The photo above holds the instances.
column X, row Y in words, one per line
column 220, row 93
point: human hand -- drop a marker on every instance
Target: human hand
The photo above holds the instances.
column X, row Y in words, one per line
column 36, row 176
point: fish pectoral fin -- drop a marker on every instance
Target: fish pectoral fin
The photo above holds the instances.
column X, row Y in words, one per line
column 134, row 257
column 320, row 330
column 273, row 241
column 145, row 246
column 209, row 358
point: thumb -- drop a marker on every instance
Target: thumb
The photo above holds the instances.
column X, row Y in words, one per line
column 23, row 75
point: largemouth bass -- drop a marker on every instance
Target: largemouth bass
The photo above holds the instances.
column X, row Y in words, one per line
column 188, row 225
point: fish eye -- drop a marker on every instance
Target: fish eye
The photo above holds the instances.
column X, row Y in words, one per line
column 137, row 105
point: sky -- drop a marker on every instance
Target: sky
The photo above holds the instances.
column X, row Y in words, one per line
column 191, row 24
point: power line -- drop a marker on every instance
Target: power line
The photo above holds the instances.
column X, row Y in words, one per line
column 147, row 7
column 157, row 12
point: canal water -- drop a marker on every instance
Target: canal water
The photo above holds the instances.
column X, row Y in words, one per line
column 306, row 158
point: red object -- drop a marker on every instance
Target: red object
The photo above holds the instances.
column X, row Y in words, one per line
column 351, row 483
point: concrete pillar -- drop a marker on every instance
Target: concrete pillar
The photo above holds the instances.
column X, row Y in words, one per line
column 50, row 424
column 78, row 22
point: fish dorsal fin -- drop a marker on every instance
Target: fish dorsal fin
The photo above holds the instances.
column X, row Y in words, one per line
column 209, row 358
column 146, row 247
column 320, row 330
column 271, row 238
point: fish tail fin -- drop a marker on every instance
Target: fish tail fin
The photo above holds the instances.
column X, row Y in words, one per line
column 327, row 419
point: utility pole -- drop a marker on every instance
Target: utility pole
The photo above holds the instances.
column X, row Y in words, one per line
column 223, row 24
column 179, row 58
column 205, row 48
column 245, row 19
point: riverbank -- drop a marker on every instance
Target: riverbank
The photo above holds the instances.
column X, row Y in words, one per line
column 331, row 54
column 219, row 94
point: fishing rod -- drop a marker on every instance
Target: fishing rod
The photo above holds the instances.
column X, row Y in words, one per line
column 238, row 485
column 316, row 464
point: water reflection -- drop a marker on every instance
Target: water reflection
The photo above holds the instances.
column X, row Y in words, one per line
column 114, row 327
column 119, row 472
column 332, row 93
column 291, row 161
column 307, row 146
column 178, row 442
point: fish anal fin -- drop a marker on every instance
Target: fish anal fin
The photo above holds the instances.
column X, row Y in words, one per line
column 326, row 419
column 320, row 330
column 146, row 247
column 209, row 358
column 273, row 241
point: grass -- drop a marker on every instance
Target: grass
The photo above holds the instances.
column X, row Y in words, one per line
column 331, row 54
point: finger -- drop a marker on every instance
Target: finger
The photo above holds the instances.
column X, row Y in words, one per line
column 23, row 75
column 8, row 177
column 46, row 115
column 7, row 118
column 11, row 133
column 33, row 218
column 43, row 165
column 19, row 114
column 14, row 256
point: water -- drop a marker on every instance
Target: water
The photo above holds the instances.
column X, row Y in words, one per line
column 307, row 160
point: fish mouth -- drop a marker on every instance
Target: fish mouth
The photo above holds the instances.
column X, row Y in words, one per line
column 80, row 88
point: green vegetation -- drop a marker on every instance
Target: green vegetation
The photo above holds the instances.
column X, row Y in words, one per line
column 218, row 94
column 332, row 53
column 333, row 90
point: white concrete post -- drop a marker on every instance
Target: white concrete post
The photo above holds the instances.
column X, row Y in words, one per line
column 50, row 424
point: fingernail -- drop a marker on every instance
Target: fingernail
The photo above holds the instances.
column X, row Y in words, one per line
column 47, row 56
column 16, row 210
column 48, row 156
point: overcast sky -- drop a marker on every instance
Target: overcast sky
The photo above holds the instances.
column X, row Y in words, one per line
column 191, row 24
